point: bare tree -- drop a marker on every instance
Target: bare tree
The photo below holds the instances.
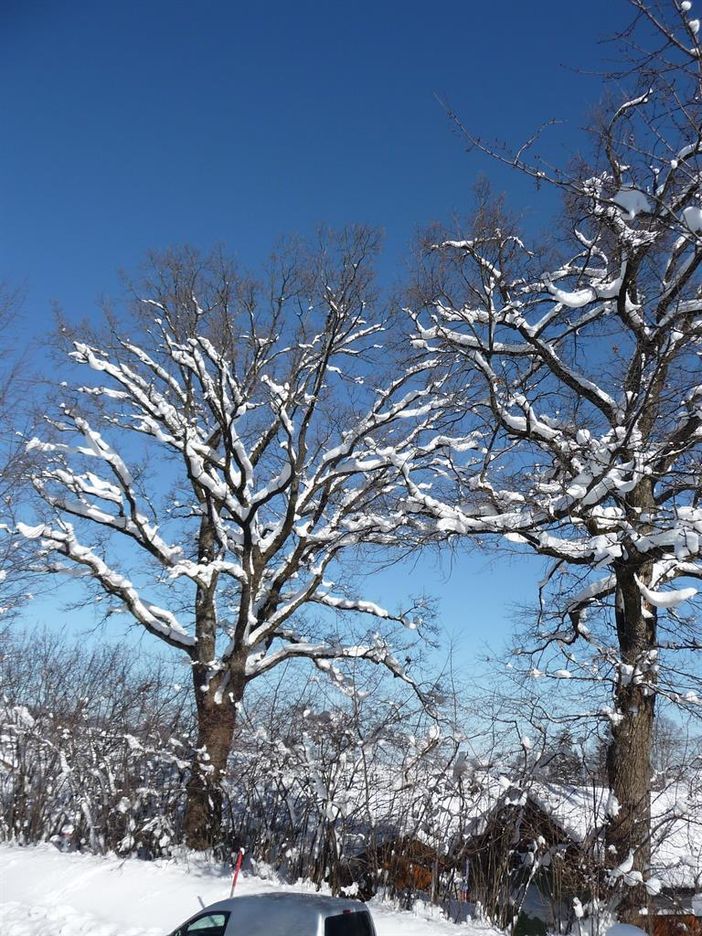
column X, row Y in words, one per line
column 217, row 469
column 580, row 364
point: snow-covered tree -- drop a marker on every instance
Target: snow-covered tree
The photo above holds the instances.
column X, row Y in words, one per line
column 214, row 470
column 581, row 368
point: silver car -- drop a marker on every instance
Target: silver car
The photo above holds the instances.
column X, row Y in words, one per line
column 281, row 914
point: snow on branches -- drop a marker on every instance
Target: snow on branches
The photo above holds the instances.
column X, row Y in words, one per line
column 209, row 478
column 589, row 371
column 277, row 484
column 580, row 361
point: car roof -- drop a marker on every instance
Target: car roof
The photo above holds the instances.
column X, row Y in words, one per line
column 284, row 910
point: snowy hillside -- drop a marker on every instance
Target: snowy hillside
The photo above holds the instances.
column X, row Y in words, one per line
column 45, row 892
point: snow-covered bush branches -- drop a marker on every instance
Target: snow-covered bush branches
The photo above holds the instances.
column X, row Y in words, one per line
column 92, row 747
column 581, row 361
column 320, row 785
column 207, row 475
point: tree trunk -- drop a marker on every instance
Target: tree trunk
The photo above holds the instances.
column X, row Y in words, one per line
column 216, row 698
column 629, row 751
column 216, row 720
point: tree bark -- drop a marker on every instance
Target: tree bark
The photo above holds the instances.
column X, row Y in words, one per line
column 216, row 699
column 629, row 751
column 216, row 720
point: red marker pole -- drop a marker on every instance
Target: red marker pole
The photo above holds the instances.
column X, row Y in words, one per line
column 237, row 869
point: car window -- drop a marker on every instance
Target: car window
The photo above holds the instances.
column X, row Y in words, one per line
column 350, row 923
column 209, row 924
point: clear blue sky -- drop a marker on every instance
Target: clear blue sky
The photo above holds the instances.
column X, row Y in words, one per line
column 131, row 125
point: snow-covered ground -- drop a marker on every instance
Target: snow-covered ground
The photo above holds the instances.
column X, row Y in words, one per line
column 46, row 893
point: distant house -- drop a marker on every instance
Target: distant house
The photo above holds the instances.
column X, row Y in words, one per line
column 541, row 845
column 532, row 847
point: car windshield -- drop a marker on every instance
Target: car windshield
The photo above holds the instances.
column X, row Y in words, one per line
column 208, row 924
column 350, row 923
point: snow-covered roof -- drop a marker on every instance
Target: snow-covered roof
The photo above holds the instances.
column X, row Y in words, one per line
column 676, row 824
column 578, row 810
column 677, row 836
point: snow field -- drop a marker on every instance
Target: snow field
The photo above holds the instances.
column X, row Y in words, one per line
column 46, row 893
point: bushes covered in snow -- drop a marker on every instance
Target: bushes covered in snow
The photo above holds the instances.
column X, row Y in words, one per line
column 90, row 755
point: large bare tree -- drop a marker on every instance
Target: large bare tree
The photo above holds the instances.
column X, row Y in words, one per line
column 228, row 449
column 581, row 368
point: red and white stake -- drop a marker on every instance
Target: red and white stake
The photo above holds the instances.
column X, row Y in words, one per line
column 237, row 869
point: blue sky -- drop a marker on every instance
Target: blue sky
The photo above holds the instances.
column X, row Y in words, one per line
column 136, row 125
